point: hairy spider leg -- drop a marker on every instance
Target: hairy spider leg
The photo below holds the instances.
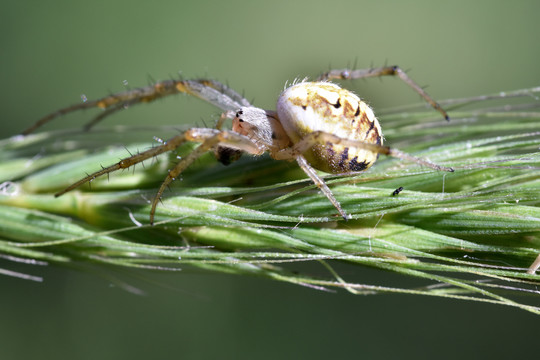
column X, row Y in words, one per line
column 226, row 90
column 208, row 139
column 210, row 91
column 317, row 180
column 125, row 163
column 348, row 74
column 320, row 137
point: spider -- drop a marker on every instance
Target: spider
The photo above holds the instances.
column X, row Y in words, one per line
column 319, row 124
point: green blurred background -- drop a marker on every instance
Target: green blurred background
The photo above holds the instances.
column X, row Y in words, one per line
column 54, row 51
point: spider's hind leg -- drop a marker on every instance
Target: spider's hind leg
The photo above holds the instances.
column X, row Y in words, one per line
column 348, row 74
column 320, row 137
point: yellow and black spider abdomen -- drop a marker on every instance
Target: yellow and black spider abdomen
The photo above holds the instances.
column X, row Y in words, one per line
column 322, row 106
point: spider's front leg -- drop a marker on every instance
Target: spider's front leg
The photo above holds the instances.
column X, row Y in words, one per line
column 209, row 139
column 125, row 163
column 211, row 91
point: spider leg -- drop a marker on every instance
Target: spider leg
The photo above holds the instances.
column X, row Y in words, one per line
column 317, row 180
column 346, row 74
column 224, row 89
column 208, row 90
column 104, row 114
column 171, row 144
column 224, row 116
column 209, row 138
column 320, row 137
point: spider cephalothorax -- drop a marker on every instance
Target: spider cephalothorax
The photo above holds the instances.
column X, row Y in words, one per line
column 319, row 124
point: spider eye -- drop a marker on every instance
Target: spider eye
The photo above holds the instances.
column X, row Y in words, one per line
column 238, row 113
